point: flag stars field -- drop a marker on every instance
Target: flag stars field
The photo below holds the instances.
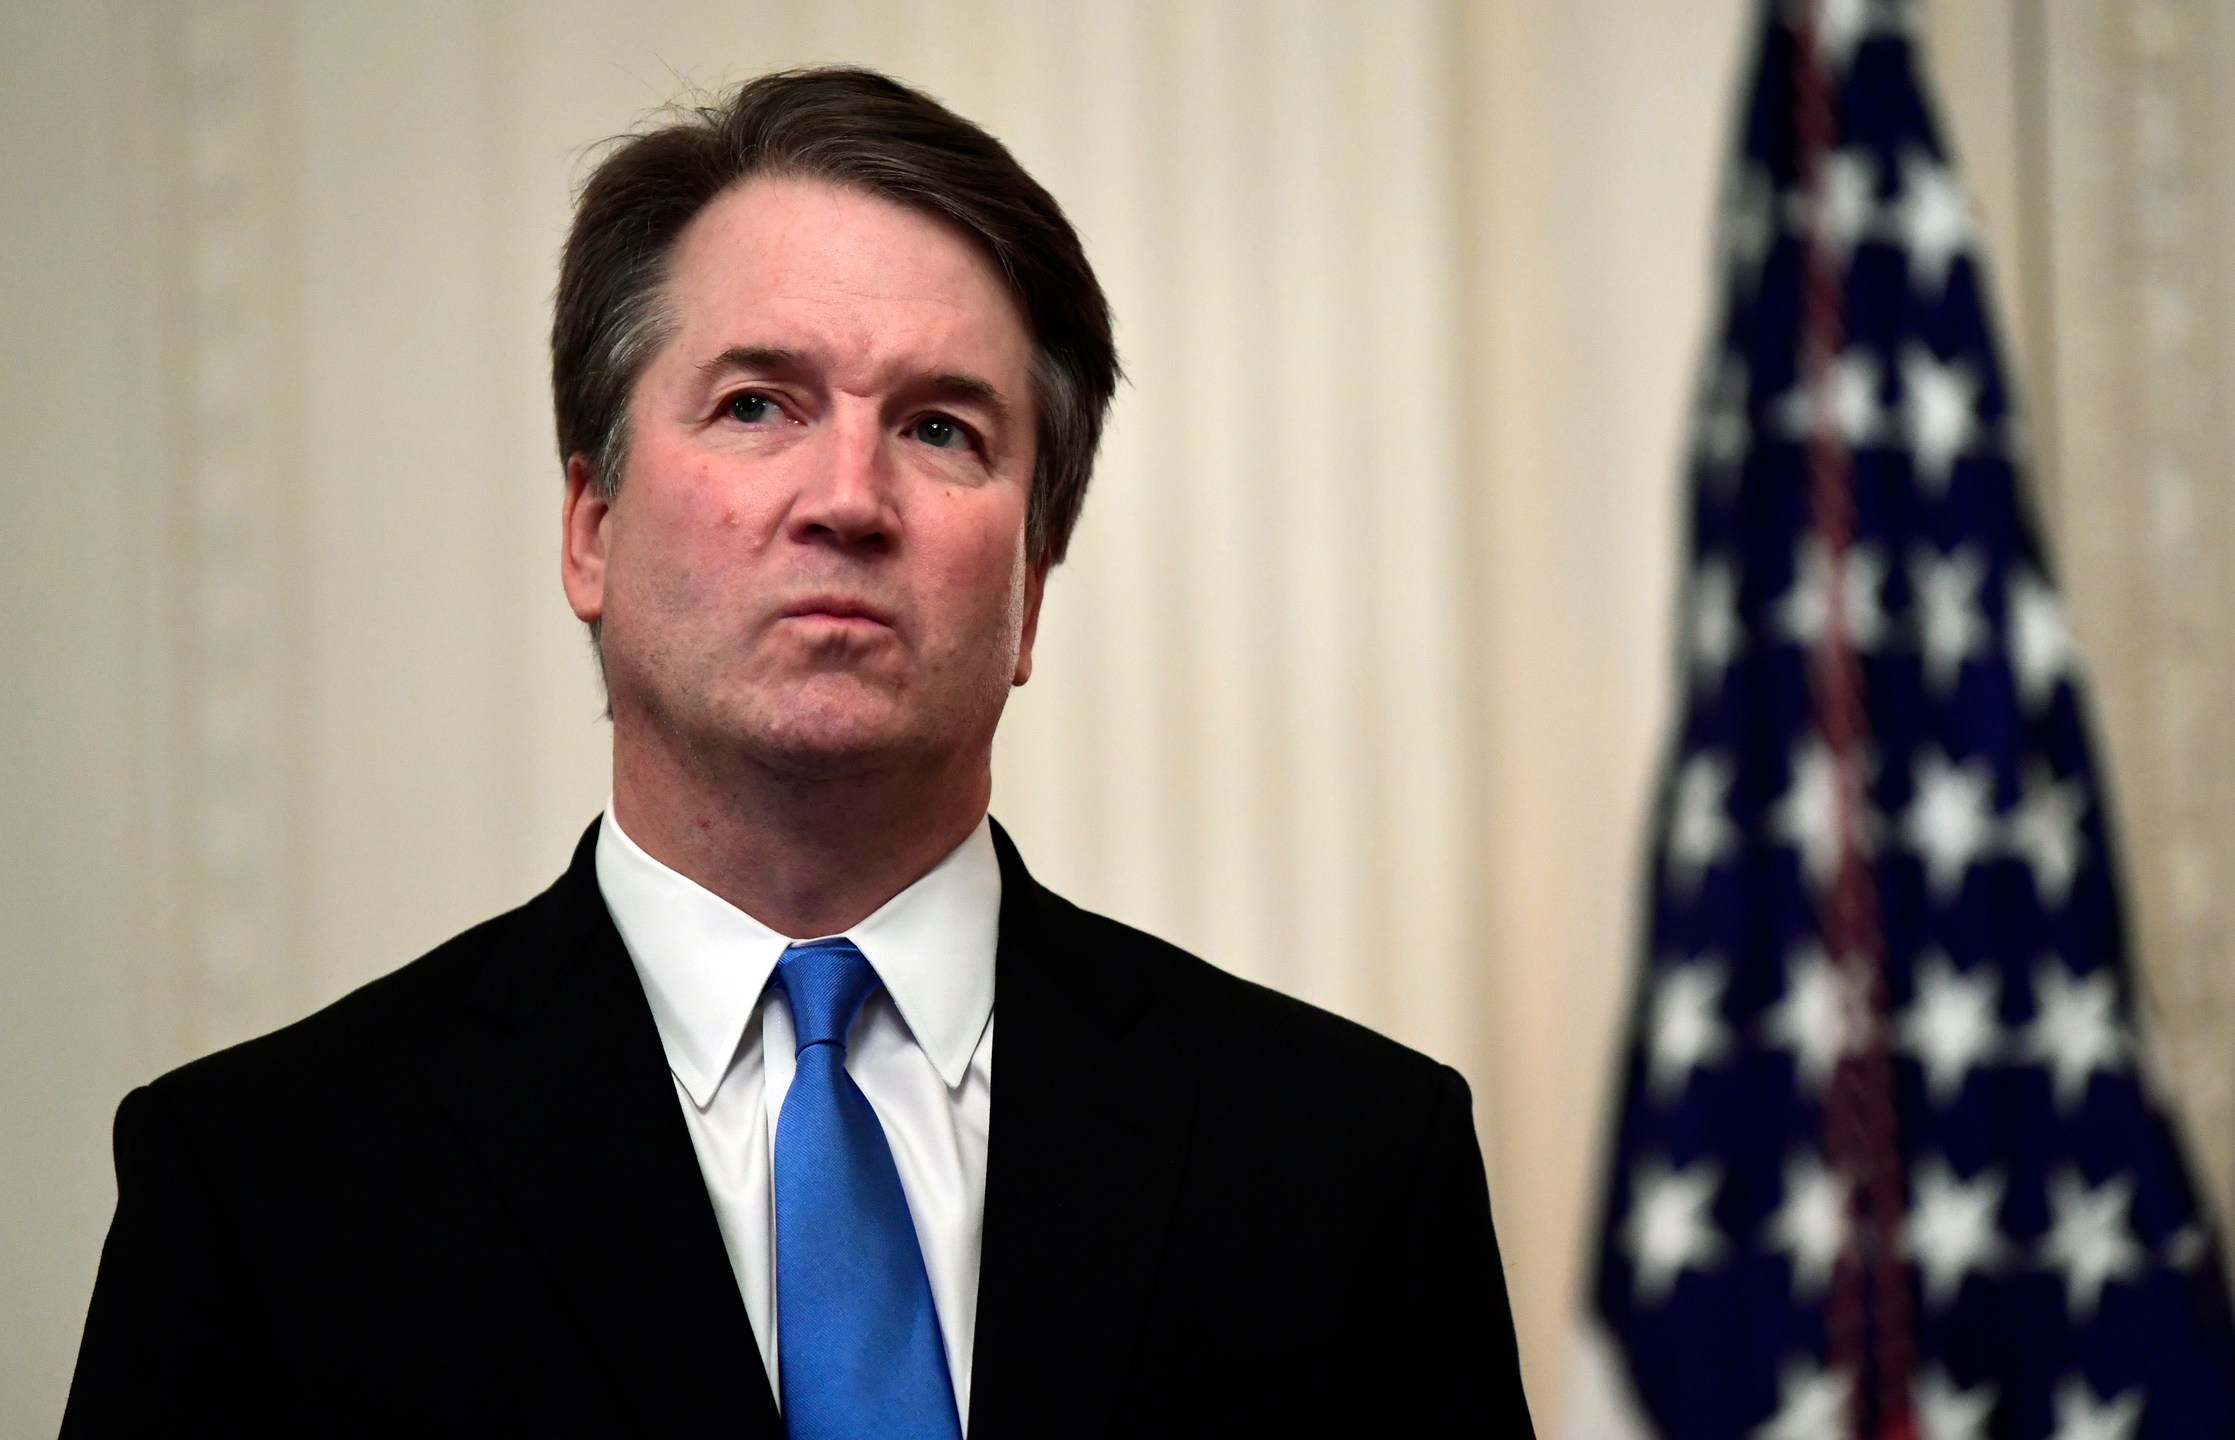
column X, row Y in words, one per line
column 1806, row 816
column 2082, row 1416
column 1748, row 225
column 1950, row 824
column 1687, row 1028
column 1846, row 405
column 1885, row 939
column 1952, row 1027
column 1821, row 1019
column 1845, row 212
column 1723, row 431
column 1940, row 410
column 1671, row 1229
column 1931, row 222
column 1946, row 1411
column 1701, row 834
column 1804, row 615
column 1714, row 634
column 1843, row 25
column 2076, row 1031
column 2090, row 1238
column 1812, row 1404
column 1954, row 1229
column 1951, row 630
column 2044, row 831
column 2040, row 646
column 1810, row 1225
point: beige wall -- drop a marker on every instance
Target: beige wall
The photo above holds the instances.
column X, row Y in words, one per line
column 1355, row 680
column 1593, row 140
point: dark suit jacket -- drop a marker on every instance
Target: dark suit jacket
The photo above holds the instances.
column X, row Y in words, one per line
column 463, row 1200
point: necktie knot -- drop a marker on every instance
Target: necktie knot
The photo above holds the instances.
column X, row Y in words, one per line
column 826, row 982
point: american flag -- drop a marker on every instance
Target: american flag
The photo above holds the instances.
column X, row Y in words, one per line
column 1887, row 1163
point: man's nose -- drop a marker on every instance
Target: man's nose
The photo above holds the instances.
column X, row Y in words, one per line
column 847, row 496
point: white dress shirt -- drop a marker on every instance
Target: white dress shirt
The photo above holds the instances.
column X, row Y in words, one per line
column 921, row 1051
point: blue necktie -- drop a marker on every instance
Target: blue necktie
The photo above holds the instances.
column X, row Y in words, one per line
column 858, row 1343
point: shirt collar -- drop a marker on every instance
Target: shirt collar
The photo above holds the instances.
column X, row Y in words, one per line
column 704, row 963
column 933, row 945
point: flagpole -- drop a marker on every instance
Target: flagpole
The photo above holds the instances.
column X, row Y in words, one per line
column 1861, row 1132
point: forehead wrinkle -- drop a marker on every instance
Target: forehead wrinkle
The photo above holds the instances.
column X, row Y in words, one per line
column 945, row 311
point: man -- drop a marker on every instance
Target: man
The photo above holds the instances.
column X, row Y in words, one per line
column 706, row 1138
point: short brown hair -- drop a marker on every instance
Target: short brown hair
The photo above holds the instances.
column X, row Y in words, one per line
column 851, row 127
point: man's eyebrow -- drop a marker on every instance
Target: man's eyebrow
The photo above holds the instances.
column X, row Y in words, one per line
column 755, row 357
column 965, row 389
column 956, row 386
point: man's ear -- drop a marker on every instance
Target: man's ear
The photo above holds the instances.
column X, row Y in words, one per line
column 1035, row 587
column 582, row 541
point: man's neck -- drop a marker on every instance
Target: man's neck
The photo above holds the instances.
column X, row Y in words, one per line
column 804, row 856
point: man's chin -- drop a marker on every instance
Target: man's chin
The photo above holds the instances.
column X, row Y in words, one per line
column 822, row 741
column 820, row 731
column 825, row 756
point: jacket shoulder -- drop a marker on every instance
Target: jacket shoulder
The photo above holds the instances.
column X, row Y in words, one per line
column 351, row 1045
column 1273, row 1034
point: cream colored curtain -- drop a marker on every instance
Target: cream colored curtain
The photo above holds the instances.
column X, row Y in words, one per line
column 2101, row 146
column 2135, row 254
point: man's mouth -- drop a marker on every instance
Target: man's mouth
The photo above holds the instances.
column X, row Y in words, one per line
column 846, row 610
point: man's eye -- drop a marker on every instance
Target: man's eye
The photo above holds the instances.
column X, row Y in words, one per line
column 751, row 408
column 938, row 431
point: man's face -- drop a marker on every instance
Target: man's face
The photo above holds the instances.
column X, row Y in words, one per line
column 816, row 557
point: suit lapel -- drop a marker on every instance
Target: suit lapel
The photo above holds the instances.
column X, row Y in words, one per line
column 574, row 1115
column 1093, row 1103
